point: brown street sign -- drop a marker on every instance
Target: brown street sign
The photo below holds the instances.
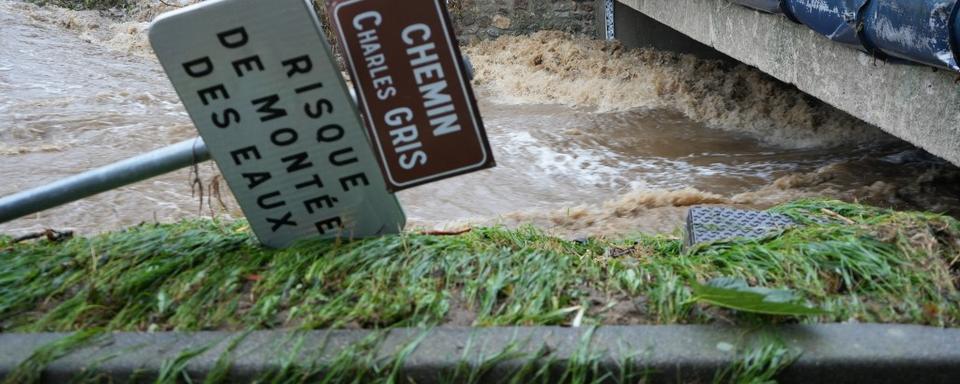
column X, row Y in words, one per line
column 259, row 81
column 417, row 100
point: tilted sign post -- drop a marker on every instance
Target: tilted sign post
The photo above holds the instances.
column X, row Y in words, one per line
column 418, row 103
column 260, row 83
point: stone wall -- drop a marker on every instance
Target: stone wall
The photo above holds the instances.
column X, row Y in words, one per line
column 488, row 19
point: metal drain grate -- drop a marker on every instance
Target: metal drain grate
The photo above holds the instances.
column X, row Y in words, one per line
column 710, row 224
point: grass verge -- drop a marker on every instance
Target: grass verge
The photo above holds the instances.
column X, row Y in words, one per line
column 888, row 267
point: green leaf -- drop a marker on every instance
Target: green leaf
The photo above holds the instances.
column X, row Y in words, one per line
column 737, row 294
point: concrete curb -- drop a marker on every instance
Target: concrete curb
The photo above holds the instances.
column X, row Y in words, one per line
column 838, row 353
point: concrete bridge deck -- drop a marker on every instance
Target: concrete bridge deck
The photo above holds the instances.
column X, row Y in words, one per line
column 915, row 103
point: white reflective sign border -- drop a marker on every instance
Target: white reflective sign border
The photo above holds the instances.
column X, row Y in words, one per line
column 260, row 84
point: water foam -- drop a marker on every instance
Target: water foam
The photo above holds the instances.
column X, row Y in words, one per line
column 127, row 35
column 917, row 186
column 553, row 67
column 7, row 150
column 640, row 211
column 123, row 32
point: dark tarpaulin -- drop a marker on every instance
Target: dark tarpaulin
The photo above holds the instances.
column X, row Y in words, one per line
column 835, row 19
column 916, row 30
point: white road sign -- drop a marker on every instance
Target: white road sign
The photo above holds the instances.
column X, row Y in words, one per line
column 260, row 84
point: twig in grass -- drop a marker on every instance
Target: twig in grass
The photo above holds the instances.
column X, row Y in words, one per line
column 447, row 233
column 214, row 188
column 196, row 185
column 51, row 235
column 837, row 216
column 93, row 258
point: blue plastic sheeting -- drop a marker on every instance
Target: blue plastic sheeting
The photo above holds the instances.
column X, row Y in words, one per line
column 770, row 6
column 917, row 30
column 835, row 19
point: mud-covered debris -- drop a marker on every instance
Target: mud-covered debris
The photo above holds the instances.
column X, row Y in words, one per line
column 51, row 235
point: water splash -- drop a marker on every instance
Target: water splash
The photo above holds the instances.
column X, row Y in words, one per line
column 553, row 67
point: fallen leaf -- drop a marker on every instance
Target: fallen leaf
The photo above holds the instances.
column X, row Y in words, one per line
column 737, row 294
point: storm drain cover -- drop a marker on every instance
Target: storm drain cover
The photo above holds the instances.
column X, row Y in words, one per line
column 710, row 224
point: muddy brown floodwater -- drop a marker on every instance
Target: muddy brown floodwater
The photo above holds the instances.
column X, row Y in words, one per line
column 591, row 139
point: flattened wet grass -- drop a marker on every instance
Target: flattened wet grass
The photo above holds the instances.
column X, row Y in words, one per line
column 888, row 267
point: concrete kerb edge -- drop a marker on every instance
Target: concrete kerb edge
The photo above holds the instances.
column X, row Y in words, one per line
column 830, row 353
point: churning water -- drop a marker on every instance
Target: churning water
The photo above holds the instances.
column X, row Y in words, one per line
column 591, row 139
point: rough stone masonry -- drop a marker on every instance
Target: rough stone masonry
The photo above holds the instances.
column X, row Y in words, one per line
column 489, row 19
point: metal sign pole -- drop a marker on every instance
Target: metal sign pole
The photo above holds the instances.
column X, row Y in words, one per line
column 126, row 172
column 152, row 164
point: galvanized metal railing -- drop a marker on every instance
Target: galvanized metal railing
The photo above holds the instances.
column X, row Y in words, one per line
column 143, row 167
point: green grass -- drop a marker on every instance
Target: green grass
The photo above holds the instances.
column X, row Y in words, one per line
column 889, row 267
column 759, row 365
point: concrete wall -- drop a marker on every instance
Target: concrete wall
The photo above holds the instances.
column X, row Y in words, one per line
column 636, row 30
column 485, row 19
column 915, row 103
